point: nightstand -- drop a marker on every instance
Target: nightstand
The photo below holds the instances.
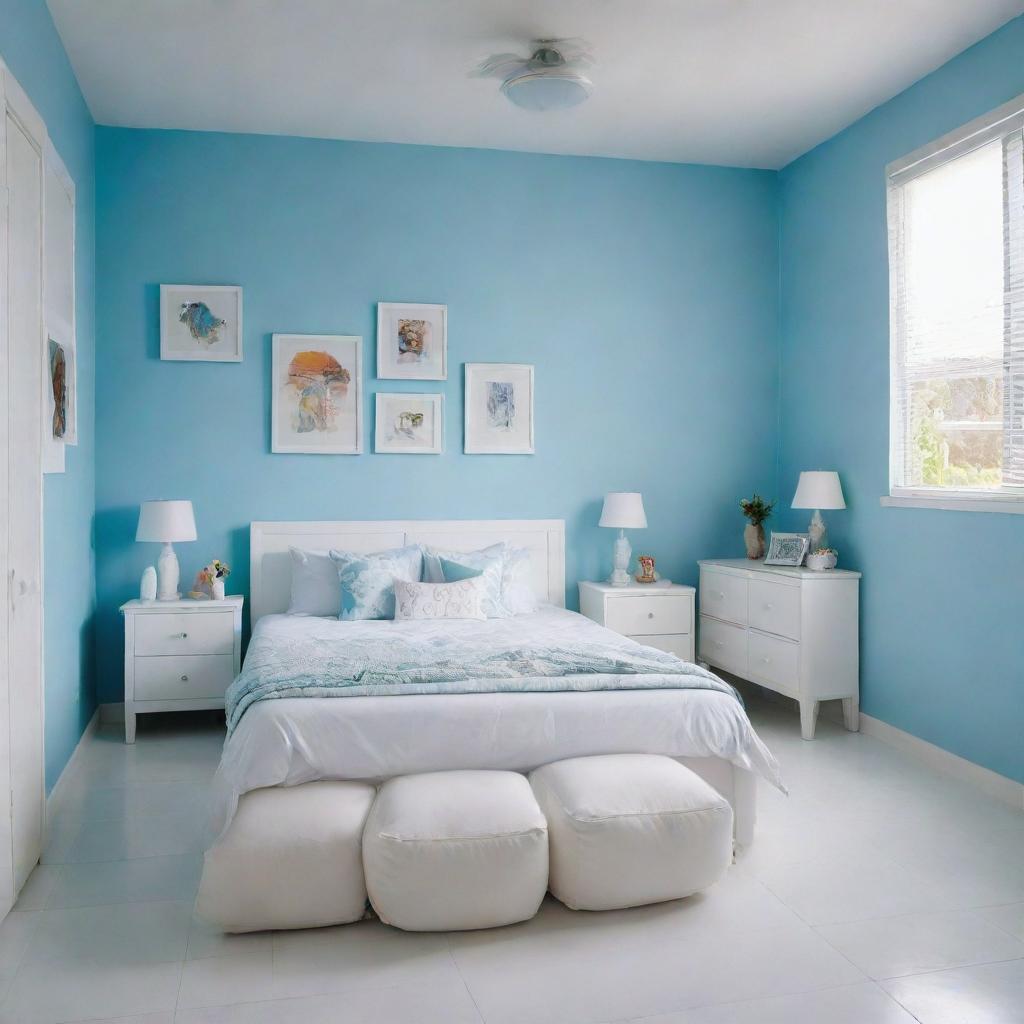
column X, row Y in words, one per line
column 179, row 655
column 652, row 614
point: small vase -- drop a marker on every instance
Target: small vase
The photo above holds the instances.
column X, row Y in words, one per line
column 217, row 589
column 753, row 537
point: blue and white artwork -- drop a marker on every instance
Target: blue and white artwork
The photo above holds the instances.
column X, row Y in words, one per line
column 501, row 404
column 201, row 322
column 499, row 409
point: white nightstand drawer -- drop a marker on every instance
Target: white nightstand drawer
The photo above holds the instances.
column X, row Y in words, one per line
column 678, row 644
column 648, row 616
column 724, row 596
column 775, row 608
column 185, row 633
column 193, row 677
column 776, row 661
column 723, row 645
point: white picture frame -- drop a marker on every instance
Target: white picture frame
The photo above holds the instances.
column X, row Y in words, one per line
column 499, row 401
column 397, row 433
column 317, row 401
column 787, row 549
column 201, row 323
column 397, row 339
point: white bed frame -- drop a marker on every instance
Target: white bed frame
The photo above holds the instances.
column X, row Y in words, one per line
column 270, row 565
column 270, row 591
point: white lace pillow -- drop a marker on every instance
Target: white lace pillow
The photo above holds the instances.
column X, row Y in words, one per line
column 461, row 600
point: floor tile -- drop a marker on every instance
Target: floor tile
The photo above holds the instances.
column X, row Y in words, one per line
column 148, row 879
column 41, row 994
column 401, row 1005
column 206, row 940
column 36, row 891
column 516, row 979
column 1009, row 917
column 131, row 838
column 245, row 977
column 895, row 946
column 988, row 994
column 852, row 1004
column 16, row 932
column 123, row 933
column 141, row 1018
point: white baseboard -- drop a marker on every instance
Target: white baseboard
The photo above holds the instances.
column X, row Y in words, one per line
column 995, row 785
column 67, row 771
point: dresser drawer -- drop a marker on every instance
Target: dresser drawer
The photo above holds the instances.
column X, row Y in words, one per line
column 775, row 608
column 678, row 644
column 194, row 677
column 724, row 596
column 723, row 645
column 648, row 616
column 775, row 661
column 187, row 633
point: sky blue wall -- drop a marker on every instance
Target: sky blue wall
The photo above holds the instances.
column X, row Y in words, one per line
column 645, row 295
column 943, row 592
column 31, row 48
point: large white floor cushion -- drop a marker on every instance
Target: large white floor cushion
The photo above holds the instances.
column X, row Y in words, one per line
column 630, row 829
column 448, row 851
column 291, row 858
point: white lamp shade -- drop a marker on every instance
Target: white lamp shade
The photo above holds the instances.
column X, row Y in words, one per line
column 623, row 510
column 166, row 521
column 819, row 489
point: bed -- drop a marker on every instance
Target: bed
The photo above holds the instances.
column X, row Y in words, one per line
column 291, row 740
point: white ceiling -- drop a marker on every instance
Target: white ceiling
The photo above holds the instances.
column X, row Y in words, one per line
column 743, row 82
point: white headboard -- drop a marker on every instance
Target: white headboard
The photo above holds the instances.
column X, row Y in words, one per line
column 270, row 572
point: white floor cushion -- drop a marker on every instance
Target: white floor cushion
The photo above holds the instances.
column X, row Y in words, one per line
column 630, row 829
column 291, row 858
column 449, row 851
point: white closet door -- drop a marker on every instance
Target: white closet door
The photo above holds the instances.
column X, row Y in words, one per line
column 7, row 890
column 25, row 342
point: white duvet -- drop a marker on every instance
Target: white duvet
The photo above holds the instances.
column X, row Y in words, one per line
column 302, row 739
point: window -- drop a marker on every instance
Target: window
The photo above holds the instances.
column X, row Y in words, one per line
column 956, row 264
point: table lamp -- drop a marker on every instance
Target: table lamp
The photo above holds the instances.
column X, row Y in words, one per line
column 818, row 489
column 623, row 510
column 165, row 522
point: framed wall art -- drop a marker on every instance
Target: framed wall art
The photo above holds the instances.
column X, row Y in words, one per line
column 412, row 341
column 409, row 424
column 317, row 394
column 499, row 409
column 201, row 323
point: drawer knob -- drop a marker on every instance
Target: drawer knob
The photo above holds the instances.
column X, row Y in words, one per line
column 767, row 660
column 650, row 615
column 183, row 636
column 767, row 607
column 717, row 643
column 184, row 679
column 721, row 594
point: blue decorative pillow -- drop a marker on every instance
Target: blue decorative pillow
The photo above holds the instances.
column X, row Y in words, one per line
column 453, row 572
column 368, row 581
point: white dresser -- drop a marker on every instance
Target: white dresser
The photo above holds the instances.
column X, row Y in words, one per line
column 179, row 655
column 787, row 628
column 654, row 615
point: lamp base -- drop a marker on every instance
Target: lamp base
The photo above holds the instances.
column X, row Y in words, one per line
column 167, row 575
column 817, row 533
column 622, row 553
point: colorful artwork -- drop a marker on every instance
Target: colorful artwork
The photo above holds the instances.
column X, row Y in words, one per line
column 499, row 409
column 409, row 424
column 58, row 382
column 646, row 573
column 317, row 400
column 501, row 404
column 201, row 322
column 412, row 341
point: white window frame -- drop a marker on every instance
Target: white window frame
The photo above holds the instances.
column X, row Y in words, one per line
column 988, row 128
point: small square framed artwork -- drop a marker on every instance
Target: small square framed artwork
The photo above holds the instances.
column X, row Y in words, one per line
column 409, row 424
column 412, row 341
column 787, row 549
column 317, row 394
column 201, row 323
column 499, row 409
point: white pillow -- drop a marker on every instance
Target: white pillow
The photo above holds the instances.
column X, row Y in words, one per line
column 316, row 589
column 516, row 593
column 512, row 596
column 461, row 600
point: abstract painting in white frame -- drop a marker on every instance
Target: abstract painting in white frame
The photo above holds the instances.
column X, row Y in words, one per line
column 201, row 323
column 409, row 424
column 316, row 394
column 499, row 409
column 412, row 341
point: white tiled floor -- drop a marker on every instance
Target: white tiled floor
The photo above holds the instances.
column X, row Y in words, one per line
column 877, row 893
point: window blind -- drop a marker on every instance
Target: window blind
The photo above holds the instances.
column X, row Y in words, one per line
column 956, row 258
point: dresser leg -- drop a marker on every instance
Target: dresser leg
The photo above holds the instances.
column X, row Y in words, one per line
column 808, row 718
column 129, row 725
column 851, row 713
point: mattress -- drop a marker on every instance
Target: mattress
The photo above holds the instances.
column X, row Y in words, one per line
column 294, row 740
